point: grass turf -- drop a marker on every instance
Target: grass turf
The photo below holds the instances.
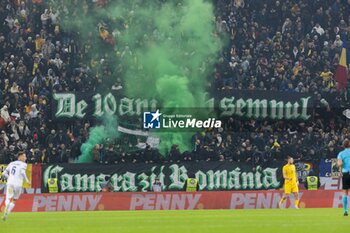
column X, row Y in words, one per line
column 262, row 220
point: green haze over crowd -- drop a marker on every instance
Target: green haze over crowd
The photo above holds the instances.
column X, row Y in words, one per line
column 164, row 51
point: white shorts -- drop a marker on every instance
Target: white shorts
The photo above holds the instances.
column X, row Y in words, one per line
column 13, row 191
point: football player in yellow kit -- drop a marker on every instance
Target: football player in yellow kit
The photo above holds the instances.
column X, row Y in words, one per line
column 290, row 182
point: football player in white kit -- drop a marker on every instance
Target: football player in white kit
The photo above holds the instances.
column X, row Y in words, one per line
column 15, row 172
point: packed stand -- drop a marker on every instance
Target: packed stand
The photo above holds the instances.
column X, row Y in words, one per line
column 289, row 46
column 36, row 58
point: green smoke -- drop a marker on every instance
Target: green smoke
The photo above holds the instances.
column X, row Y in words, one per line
column 174, row 49
column 98, row 135
column 164, row 51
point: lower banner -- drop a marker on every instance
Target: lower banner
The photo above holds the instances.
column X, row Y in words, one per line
column 171, row 201
column 130, row 177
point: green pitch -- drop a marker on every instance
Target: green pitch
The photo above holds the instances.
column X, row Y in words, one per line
column 217, row 221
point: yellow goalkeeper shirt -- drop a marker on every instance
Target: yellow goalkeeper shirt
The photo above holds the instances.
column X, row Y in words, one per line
column 290, row 171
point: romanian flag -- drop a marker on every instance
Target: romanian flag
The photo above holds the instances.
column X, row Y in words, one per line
column 341, row 75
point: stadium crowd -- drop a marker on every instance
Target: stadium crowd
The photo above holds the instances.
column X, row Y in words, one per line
column 282, row 45
column 287, row 46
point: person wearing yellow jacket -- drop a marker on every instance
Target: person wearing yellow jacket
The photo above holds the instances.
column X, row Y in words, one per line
column 191, row 184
